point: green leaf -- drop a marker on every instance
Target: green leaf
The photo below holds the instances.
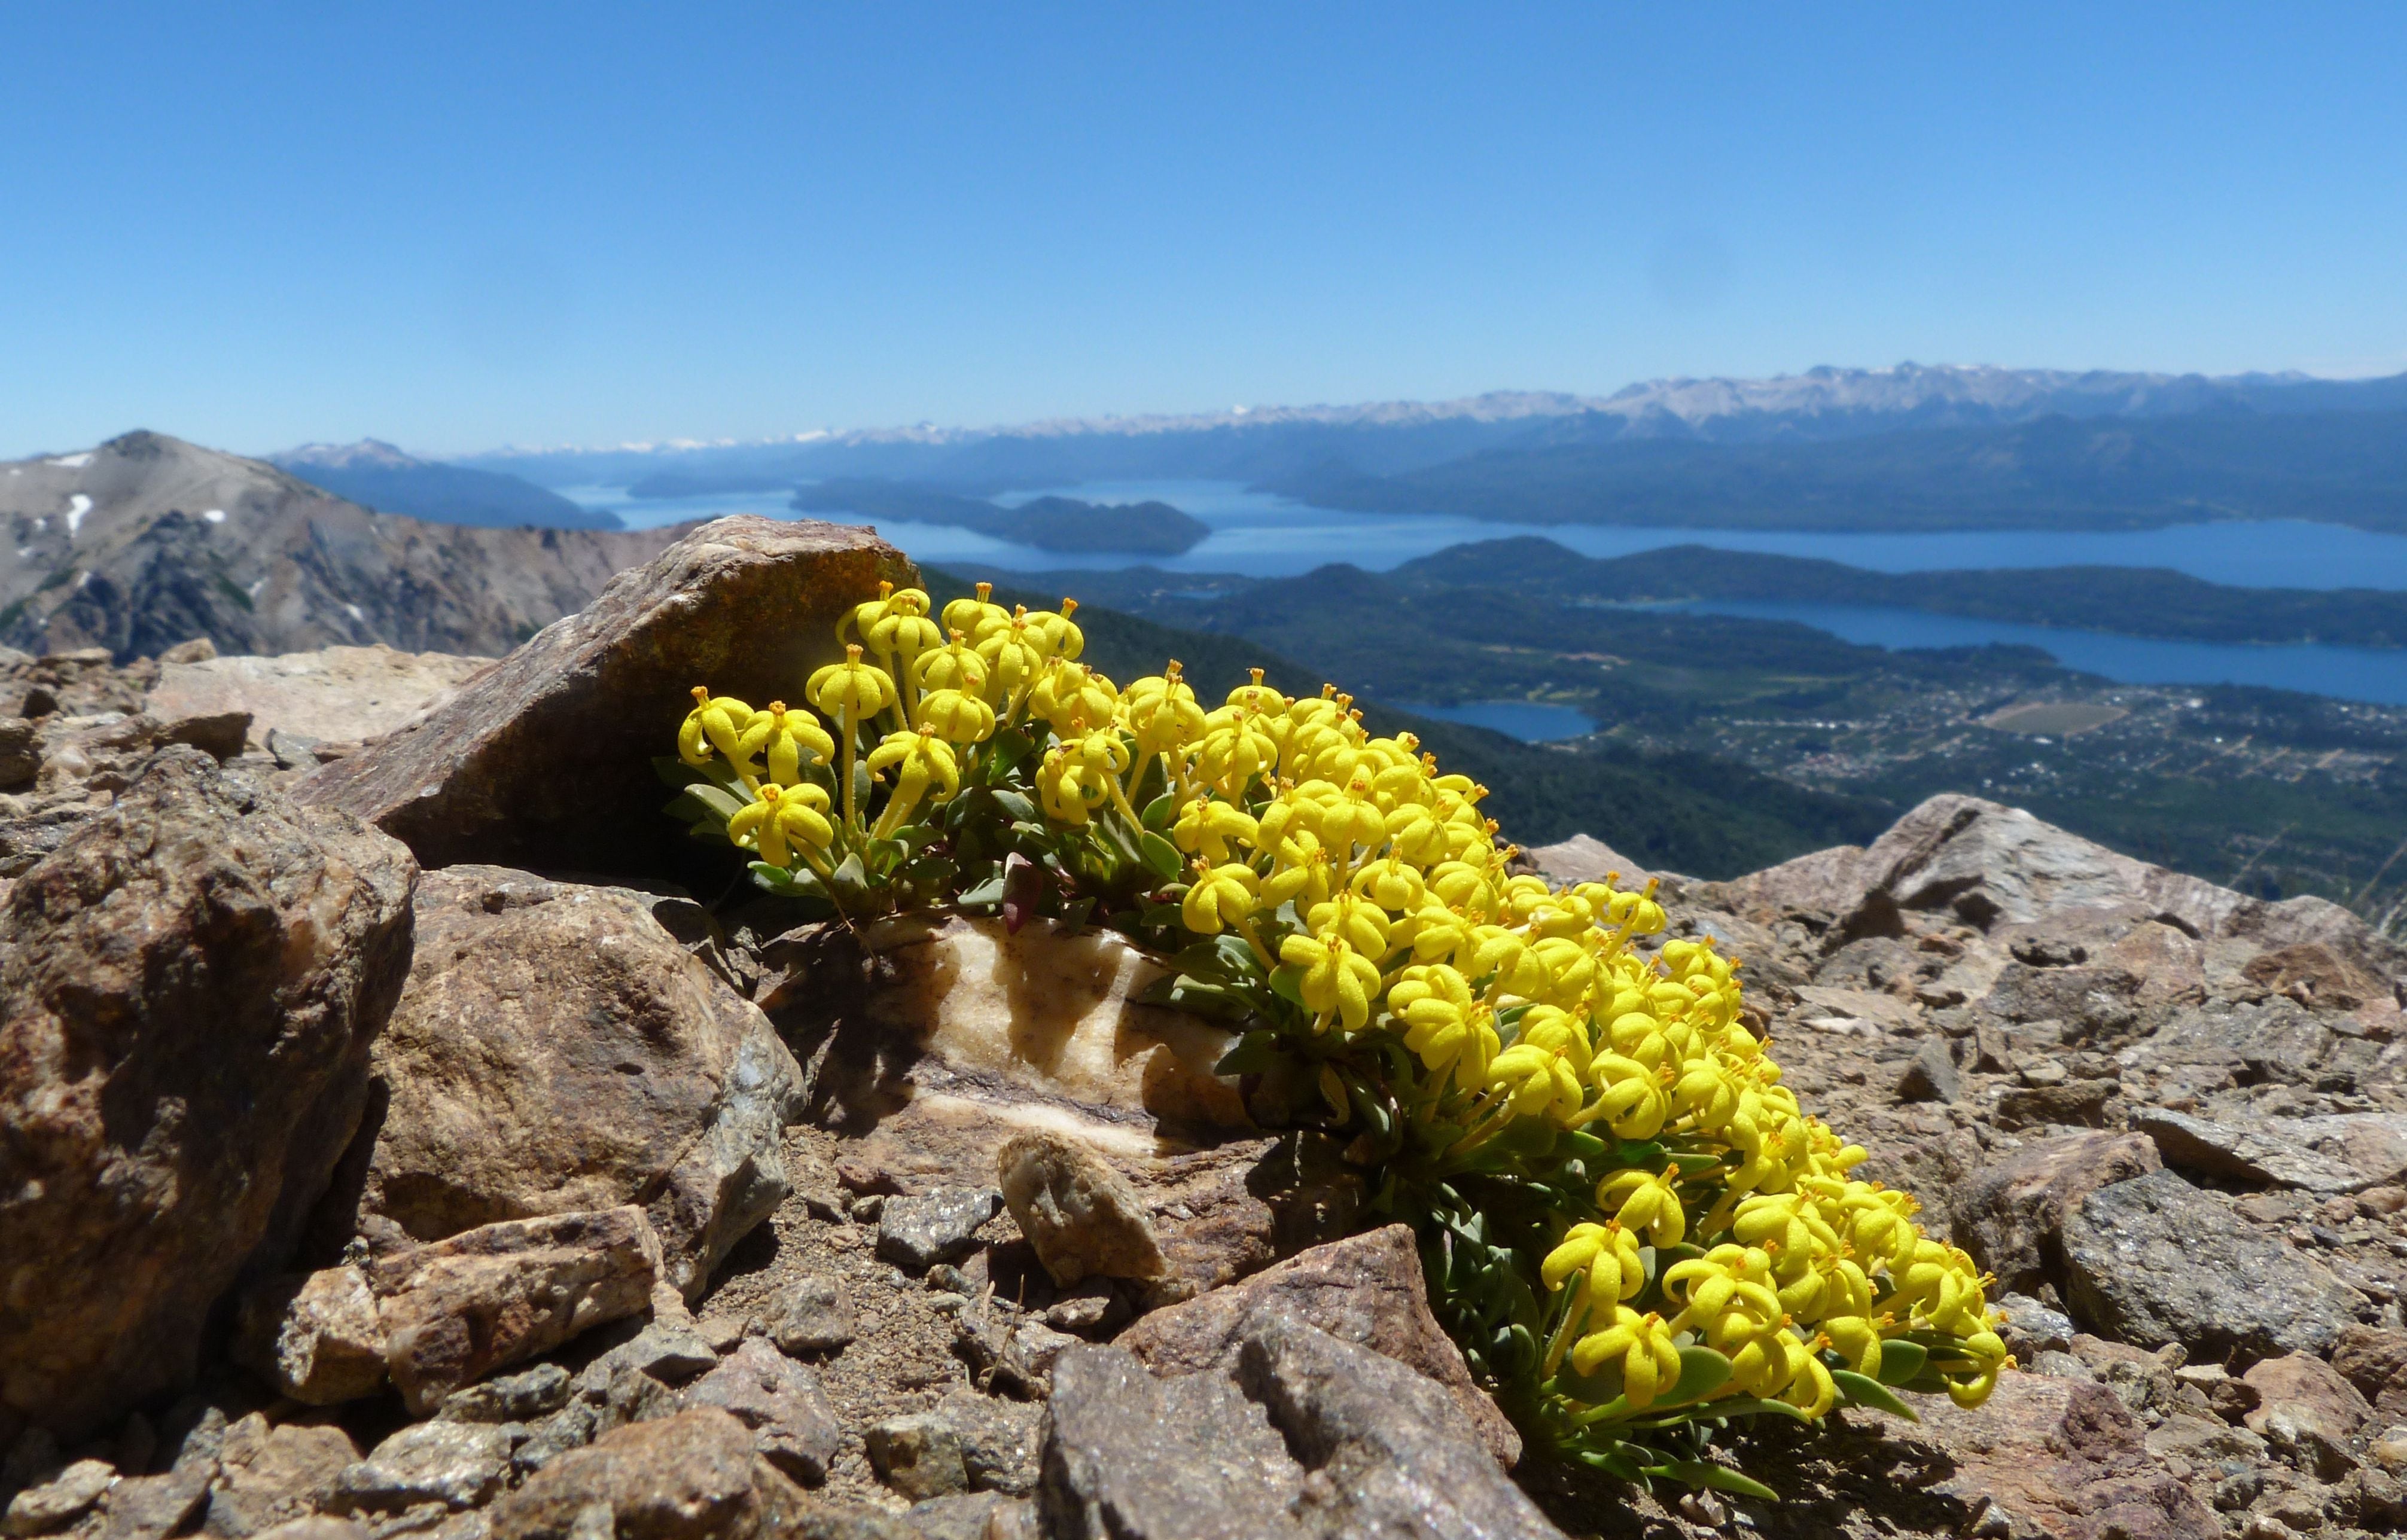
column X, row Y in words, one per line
column 1159, row 856
column 989, row 891
column 851, row 884
column 1286, row 983
column 1703, row 1371
column 1252, row 1054
column 1703, row 1472
column 673, row 771
column 1752, row 1406
column 1903, row 1360
column 1856, row 1389
column 724, row 804
column 1160, row 811
column 1017, row 808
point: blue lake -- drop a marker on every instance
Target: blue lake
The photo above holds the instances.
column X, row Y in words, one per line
column 2350, row 672
column 1260, row 535
column 1532, row 721
column 1257, row 535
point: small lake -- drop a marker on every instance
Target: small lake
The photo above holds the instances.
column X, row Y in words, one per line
column 2349, row 672
column 1532, row 721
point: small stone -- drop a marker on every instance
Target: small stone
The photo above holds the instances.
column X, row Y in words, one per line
column 525, row 1397
column 792, row 1425
column 2031, row 1327
column 270, row 1474
column 1093, row 1309
column 459, row 1464
column 811, row 1316
column 315, row 1338
column 940, row 1226
column 150, row 1507
column 60, row 1500
column 998, row 1440
column 919, row 1456
column 1930, row 1075
column 1082, row 1217
column 722, row 1332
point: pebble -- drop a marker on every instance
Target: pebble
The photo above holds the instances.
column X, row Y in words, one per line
column 938, row 1226
column 811, row 1316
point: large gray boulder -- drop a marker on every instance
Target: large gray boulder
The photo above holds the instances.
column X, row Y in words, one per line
column 191, row 982
column 546, row 760
column 556, row 1050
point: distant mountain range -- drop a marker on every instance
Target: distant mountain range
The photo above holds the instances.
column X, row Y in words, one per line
column 1914, row 446
column 374, row 475
column 147, row 541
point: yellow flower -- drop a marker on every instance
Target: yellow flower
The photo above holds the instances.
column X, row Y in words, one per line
column 1070, row 695
column 1206, row 827
column 1220, row 898
column 783, row 817
column 1161, row 712
column 1607, row 1257
column 1644, row 1347
column 1536, row 1080
column 956, row 666
column 1357, row 921
column 784, row 735
column 716, row 722
column 1450, row 1031
column 917, row 759
column 956, row 717
column 1338, row 982
column 852, row 692
column 1645, row 1203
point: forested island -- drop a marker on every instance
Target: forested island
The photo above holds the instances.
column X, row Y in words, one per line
column 1047, row 523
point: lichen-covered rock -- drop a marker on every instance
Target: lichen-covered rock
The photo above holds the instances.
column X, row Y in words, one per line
column 192, row 981
column 792, row 1425
column 546, row 761
column 2011, row 1216
column 2155, row 1261
column 1304, row 1434
column 1367, row 1289
column 558, row 1050
column 315, row 1337
column 691, row 1477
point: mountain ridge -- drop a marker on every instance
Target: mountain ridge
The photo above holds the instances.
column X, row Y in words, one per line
column 147, row 540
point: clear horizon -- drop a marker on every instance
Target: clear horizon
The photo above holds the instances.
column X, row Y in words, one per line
column 463, row 228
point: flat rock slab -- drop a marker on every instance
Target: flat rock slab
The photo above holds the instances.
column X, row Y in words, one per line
column 346, row 695
column 194, row 979
column 2341, row 1152
column 546, row 761
column 2154, row 1261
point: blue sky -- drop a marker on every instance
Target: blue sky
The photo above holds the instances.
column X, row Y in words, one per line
column 461, row 226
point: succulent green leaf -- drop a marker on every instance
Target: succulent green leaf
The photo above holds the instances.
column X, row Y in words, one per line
column 1856, row 1389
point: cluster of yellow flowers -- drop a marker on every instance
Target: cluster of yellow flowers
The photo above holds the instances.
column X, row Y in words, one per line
column 1372, row 886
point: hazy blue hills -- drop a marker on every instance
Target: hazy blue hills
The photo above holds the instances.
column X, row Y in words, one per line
column 376, row 475
column 2055, row 473
column 1047, row 523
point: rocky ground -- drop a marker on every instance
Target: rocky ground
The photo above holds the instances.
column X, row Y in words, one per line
column 470, row 1178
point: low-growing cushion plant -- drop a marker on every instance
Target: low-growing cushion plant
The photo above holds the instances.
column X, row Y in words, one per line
column 1629, row 1224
